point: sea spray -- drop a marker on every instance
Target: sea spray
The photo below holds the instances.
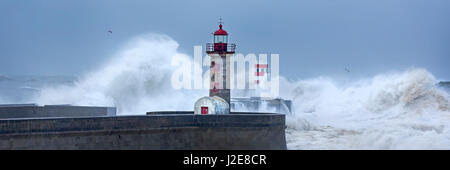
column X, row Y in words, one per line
column 401, row 110
column 135, row 81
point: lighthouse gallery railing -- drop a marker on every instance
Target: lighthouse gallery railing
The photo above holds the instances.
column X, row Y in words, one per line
column 220, row 47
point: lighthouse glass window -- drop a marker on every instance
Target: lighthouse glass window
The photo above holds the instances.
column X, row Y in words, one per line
column 220, row 39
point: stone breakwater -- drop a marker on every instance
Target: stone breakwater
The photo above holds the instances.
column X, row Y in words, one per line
column 155, row 131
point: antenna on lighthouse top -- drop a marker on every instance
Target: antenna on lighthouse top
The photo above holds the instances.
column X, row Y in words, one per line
column 220, row 21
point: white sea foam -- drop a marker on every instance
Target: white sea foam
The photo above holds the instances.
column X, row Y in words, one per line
column 401, row 110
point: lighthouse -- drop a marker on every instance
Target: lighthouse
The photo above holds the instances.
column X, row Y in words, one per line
column 220, row 53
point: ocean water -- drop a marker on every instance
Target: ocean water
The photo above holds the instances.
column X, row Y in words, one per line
column 395, row 110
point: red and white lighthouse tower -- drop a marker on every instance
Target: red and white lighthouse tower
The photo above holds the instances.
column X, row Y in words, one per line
column 220, row 52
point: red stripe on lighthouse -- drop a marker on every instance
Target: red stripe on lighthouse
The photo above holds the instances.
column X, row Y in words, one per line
column 261, row 65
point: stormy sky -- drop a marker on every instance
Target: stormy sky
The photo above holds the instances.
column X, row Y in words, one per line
column 313, row 37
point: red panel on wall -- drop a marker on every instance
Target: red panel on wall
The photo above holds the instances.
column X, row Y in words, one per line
column 204, row 110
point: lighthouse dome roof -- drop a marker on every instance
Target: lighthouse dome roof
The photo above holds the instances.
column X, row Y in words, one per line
column 220, row 31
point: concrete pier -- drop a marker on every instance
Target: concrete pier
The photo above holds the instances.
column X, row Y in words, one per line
column 154, row 131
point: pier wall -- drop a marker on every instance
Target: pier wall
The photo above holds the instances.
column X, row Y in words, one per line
column 156, row 131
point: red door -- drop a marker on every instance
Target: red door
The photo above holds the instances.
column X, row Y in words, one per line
column 204, row 110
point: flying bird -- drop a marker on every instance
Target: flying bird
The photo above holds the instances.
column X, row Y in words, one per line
column 110, row 31
column 347, row 70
